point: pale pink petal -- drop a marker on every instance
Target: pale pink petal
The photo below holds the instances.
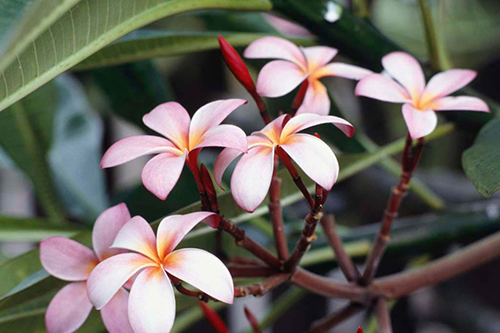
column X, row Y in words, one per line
column 209, row 116
column 286, row 27
column 382, row 88
column 170, row 120
column 138, row 236
column 420, row 123
column 69, row 309
column 275, row 48
column 202, row 270
column 152, row 303
column 447, row 82
column 172, row 229
column 162, row 172
column 318, row 56
column 224, row 159
column 67, row 259
column 227, row 136
column 407, row 71
column 316, row 100
column 460, row 103
column 343, row 70
column 278, row 78
column 135, row 146
column 115, row 313
column 252, row 177
column 307, row 120
column 272, row 130
column 111, row 274
column 314, row 157
column 106, row 228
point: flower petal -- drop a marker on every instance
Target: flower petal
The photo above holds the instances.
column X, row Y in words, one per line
column 170, row 120
column 115, row 313
column 420, row 123
column 138, row 236
column 318, row 56
column 106, row 228
column 407, row 71
column 135, row 146
column 272, row 130
column 224, row 159
column 342, row 70
column 162, row 172
column 202, row 270
column 306, row 120
column 460, row 103
column 380, row 87
column 314, row 157
column 279, row 77
column 316, row 99
column 227, row 136
column 447, row 82
column 67, row 259
column 275, row 48
column 69, row 309
column 152, row 303
column 110, row 275
column 252, row 177
column 172, row 229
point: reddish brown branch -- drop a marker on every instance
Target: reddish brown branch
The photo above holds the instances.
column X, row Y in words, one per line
column 299, row 98
column 383, row 316
column 263, row 287
column 276, row 216
column 335, row 318
column 238, row 271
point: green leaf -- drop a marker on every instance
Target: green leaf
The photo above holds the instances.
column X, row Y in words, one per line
column 15, row 229
column 87, row 28
column 481, row 162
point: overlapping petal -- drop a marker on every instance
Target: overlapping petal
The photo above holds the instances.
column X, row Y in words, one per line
column 110, row 275
column 115, row 313
column 67, row 259
column 202, row 270
column 161, row 173
column 170, row 120
column 172, row 229
column 224, row 159
column 420, row 123
column 106, row 227
column 69, row 309
column 227, row 136
column 307, row 120
column 407, row 71
column 316, row 99
column 272, row 130
column 133, row 147
column 151, row 302
column 343, row 70
column 460, row 103
column 380, row 87
column 314, row 157
column 137, row 235
column 318, row 56
column 279, row 77
column 447, row 82
column 275, row 48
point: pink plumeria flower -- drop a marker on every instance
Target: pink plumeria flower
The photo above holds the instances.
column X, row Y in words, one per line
column 185, row 138
column 69, row 260
column 252, row 175
column 151, row 306
column 279, row 77
column 420, row 100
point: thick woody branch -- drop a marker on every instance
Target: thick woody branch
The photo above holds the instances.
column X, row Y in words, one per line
column 262, row 288
column 383, row 316
column 335, row 318
column 276, row 215
column 238, row 271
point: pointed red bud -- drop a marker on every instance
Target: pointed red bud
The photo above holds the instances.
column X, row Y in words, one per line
column 213, row 318
column 359, row 330
column 209, row 187
column 253, row 321
column 317, row 135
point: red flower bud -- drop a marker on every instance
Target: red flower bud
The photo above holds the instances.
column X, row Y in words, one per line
column 213, row 318
column 209, row 188
column 253, row 321
column 360, row 330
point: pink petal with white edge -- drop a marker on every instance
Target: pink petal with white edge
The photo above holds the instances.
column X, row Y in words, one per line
column 133, row 147
column 67, row 259
column 382, row 88
column 69, row 309
column 209, row 116
column 202, row 270
column 227, row 136
column 252, row 177
column 138, row 236
column 170, row 120
column 162, row 172
column 111, row 274
column 318, row 56
column 115, row 314
column 420, row 123
column 224, row 159
column 447, row 82
column 307, row 120
column 316, row 100
column 314, row 157
column 279, row 77
column 466, row 103
column 172, row 229
column 275, row 48
column 106, row 227
column 407, row 71
column 151, row 303
column 343, row 70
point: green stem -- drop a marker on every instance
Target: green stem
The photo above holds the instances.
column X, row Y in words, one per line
column 430, row 35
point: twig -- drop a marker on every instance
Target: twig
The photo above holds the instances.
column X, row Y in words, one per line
column 276, row 215
column 251, row 271
column 335, row 318
column 299, row 98
column 383, row 316
column 430, row 35
column 263, row 287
